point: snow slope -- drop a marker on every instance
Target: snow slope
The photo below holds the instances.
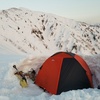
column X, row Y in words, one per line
column 30, row 32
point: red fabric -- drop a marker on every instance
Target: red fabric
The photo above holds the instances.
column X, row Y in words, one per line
column 48, row 76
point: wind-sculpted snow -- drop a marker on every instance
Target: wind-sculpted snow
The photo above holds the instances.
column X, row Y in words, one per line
column 30, row 32
column 94, row 64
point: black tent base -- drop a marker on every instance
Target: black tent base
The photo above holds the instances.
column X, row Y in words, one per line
column 98, row 86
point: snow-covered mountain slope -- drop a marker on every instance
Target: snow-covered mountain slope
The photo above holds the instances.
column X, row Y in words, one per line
column 30, row 32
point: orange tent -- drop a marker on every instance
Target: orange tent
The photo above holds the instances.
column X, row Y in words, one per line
column 62, row 72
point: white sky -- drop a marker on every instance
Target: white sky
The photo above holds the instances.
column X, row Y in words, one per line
column 81, row 10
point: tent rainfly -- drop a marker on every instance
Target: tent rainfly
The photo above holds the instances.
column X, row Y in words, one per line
column 62, row 72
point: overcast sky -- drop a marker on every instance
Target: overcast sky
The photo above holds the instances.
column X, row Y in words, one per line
column 80, row 10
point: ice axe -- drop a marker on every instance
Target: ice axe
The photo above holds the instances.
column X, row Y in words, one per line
column 18, row 72
column 14, row 66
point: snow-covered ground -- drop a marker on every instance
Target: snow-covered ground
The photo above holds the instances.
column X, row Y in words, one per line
column 11, row 90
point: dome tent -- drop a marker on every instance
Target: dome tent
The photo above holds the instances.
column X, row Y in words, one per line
column 62, row 72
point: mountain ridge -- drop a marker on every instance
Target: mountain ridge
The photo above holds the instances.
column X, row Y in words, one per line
column 32, row 32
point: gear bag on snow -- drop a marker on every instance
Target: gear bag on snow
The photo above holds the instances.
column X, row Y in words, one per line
column 20, row 75
column 24, row 76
